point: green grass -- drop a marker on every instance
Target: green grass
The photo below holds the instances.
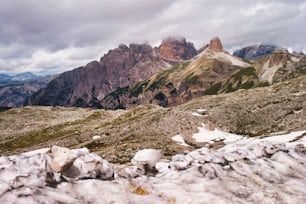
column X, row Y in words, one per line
column 263, row 84
column 138, row 88
column 213, row 89
column 162, row 77
column 191, row 79
column 235, row 82
column 247, row 85
column 36, row 137
column 43, row 135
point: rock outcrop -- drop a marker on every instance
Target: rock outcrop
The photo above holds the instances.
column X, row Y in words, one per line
column 279, row 57
column 177, row 49
column 215, row 45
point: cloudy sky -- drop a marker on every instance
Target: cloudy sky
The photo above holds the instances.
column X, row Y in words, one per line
column 48, row 36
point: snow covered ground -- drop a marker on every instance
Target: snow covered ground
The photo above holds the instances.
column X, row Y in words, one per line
column 244, row 170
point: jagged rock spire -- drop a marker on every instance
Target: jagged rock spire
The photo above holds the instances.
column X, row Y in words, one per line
column 215, row 45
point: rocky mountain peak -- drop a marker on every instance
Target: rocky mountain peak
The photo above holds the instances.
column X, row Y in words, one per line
column 177, row 49
column 215, row 45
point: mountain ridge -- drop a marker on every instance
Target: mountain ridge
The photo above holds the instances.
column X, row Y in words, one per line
column 138, row 67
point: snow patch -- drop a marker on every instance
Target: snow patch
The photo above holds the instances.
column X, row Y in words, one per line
column 285, row 138
column 211, row 136
column 196, row 114
column 96, row 137
column 201, row 110
column 180, row 140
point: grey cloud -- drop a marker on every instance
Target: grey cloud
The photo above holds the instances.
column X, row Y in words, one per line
column 58, row 29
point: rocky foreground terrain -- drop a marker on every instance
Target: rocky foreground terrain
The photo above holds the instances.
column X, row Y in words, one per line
column 242, row 170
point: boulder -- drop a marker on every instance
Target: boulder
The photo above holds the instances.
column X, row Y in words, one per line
column 145, row 160
column 62, row 160
column 89, row 166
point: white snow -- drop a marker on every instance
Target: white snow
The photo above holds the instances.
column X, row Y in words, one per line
column 96, row 137
column 180, row 140
column 284, row 138
column 244, row 170
column 201, row 110
column 147, row 156
column 210, row 136
column 196, row 114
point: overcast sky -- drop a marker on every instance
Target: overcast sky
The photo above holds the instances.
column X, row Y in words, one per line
column 48, row 36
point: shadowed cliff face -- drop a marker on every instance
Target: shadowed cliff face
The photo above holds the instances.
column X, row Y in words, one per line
column 85, row 85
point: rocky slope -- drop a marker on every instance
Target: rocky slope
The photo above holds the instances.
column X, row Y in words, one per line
column 253, row 112
column 213, row 71
column 280, row 66
column 120, row 67
column 210, row 72
column 85, row 85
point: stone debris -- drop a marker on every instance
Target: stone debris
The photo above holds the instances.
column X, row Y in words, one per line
column 244, row 171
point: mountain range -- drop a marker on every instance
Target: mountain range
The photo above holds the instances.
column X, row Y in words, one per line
column 6, row 79
column 171, row 74
column 14, row 90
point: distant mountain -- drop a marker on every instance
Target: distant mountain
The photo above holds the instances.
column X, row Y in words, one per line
column 15, row 93
column 4, row 77
column 256, row 51
column 18, row 78
column 25, row 76
column 120, row 67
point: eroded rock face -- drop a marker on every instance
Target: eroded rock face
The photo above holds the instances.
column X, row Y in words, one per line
column 177, row 49
column 279, row 57
column 84, row 86
column 215, row 45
